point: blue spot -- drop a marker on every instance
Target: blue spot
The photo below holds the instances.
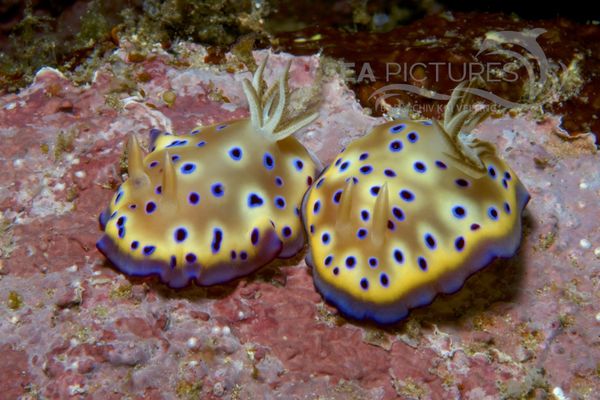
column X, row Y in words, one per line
column 114, row 214
column 254, row 236
column 148, row 250
column 364, row 215
column 158, row 189
column 217, row 239
column 420, row 167
column 268, row 161
column 135, row 244
column 201, row 143
column 235, row 154
column 350, row 262
column 325, row 238
column 459, row 243
column 354, row 179
column 317, row 206
column 413, row 137
column 395, row 146
column 221, row 127
column 422, row 263
column 311, row 228
column 492, row 172
column 193, row 198
column 153, row 164
column 462, row 182
column 298, row 164
column 391, row 226
column 344, row 165
column 278, row 181
column 337, row 196
column 297, row 211
column 398, row 213
column 374, row 190
column 427, row 123
column 233, row 255
column 286, row 231
column 320, row 182
column 474, row 227
column 440, row 164
column 254, row 200
column 173, row 262
column 507, row 207
column 407, row 195
column 150, row 207
column 397, row 128
column 504, row 183
column 389, row 173
column 363, row 156
column 398, row 256
column 119, row 196
column 132, row 206
column 507, row 176
column 366, row 169
column 190, row 258
column 180, row 235
column 493, row 213
column 279, row 202
column 175, row 158
column 121, row 232
column 373, row 262
column 384, row 280
column 459, row 212
column 364, row 283
column 121, row 221
column 195, row 132
column 243, row 255
column 188, row 168
column 336, row 270
column 177, row 143
column 217, row 189
column 430, row 241
column 361, row 233
column 328, row 260
column 338, row 161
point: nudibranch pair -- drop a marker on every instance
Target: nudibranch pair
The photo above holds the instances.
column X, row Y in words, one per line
column 404, row 213
column 408, row 211
column 217, row 203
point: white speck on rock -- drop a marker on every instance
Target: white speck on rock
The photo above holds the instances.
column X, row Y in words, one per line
column 226, row 330
column 216, row 330
column 72, row 268
column 18, row 163
column 559, row 394
column 598, row 317
column 597, row 252
column 192, row 343
column 10, row 106
column 585, row 244
column 76, row 389
column 583, row 185
column 80, row 174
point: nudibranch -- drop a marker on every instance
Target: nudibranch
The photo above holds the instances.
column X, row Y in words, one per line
column 408, row 211
column 217, row 203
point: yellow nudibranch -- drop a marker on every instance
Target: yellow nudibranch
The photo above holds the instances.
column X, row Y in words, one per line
column 217, row 203
column 409, row 211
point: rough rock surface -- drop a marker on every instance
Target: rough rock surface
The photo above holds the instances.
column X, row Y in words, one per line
column 72, row 326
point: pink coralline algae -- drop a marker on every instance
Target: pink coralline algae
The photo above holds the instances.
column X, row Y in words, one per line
column 71, row 326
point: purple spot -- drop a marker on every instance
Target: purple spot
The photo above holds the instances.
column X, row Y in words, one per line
column 366, row 169
column 320, row 182
column 268, row 161
column 193, row 198
column 474, row 227
column 384, row 280
column 398, row 256
column 395, row 146
column 364, row 283
column 286, row 231
column 422, row 263
column 235, row 154
column 373, row 262
column 254, row 236
column 188, row 168
column 278, row 181
column 430, row 241
column 361, row 233
column 150, row 207
column 459, row 212
column 190, row 258
column 459, row 243
column 363, row 156
column 398, row 213
column 462, row 182
column 217, row 239
column 389, row 173
column 135, row 244
column 279, row 202
column 364, row 215
column 440, row 164
column 254, row 200
column 180, row 234
column 337, row 196
column 493, row 213
column 397, row 128
column 407, row 195
column 413, row 137
column 420, row 167
column 148, row 250
column 350, row 262
column 328, row 260
column 217, row 189
column 325, row 238
column 374, row 190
